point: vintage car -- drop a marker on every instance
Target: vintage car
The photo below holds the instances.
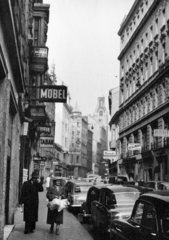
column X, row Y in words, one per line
column 76, row 193
column 115, row 201
column 164, row 186
column 139, row 185
column 119, row 179
column 149, row 219
column 154, row 184
column 92, row 195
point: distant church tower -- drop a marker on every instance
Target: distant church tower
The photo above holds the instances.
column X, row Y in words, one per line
column 101, row 114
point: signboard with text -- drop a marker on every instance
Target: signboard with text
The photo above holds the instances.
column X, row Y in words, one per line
column 109, row 153
column 53, row 93
column 44, row 129
column 161, row 133
column 46, row 142
column 40, row 52
column 134, row 146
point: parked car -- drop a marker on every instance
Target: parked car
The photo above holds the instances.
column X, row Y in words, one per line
column 115, row 201
column 149, row 219
column 120, row 179
column 142, row 188
column 76, row 193
column 164, row 186
column 154, row 184
column 92, row 195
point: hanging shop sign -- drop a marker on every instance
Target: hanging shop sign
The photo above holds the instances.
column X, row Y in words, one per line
column 46, row 142
column 44, row 129
column 39, row 159
column 36, row 166
column 109, row 153
column 40, row 52
column 134, row 146
column 161, row 133
column 53, row 93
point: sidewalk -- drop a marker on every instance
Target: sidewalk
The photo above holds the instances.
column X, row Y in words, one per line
column 70, row 230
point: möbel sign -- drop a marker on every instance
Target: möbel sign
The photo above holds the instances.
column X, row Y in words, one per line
column 53, row 93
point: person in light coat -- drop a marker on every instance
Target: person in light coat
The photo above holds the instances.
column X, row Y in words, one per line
column 53, row 216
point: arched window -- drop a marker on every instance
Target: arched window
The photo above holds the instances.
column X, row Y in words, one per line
column 100, row 113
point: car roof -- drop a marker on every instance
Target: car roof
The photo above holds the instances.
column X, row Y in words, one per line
column 79, row 182
column 121, row 188
column 157, row 194
column 156, row 181
column 166, row 183
column 101, row 185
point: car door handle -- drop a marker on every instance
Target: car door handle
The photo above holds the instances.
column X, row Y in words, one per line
column 118, row 229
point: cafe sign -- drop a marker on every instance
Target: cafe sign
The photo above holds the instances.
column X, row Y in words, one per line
column 46, row 142
column 53, row 93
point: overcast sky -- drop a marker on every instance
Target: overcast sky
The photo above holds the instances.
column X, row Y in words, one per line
column 84, row 45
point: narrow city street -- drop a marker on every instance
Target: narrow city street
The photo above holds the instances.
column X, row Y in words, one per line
column 72, row 229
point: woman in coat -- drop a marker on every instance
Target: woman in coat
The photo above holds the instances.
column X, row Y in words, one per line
column 53, row 216
column 30, row 199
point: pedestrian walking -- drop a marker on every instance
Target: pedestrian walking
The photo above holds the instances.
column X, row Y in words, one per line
column 55, row 216
column 48, row 181
column 30, row 201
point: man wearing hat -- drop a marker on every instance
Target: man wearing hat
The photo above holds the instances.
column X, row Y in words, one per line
column 30, row 199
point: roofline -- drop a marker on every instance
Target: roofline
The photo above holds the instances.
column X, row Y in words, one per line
column 115, row 116
column 128, row 16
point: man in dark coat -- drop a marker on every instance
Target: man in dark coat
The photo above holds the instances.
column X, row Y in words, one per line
column 30, row 199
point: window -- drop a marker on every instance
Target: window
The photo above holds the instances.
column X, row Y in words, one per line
column 146, row 38
column 100, row 113
column 113, row 135
column 138, row 213
column 156, row 26
column 165, row 221
column 65, row 127
column 36, row 31
column 151, row 33
column 150, row 220
column 151, row 66
column 156, row 60
column 77, row 159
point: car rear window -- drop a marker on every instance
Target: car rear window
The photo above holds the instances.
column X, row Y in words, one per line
column 126, row 198
column 121, row 199
column 83, row 188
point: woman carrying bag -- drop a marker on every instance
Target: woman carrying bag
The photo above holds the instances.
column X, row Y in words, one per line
column 53, row 216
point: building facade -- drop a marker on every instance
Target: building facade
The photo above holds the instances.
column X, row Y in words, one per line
column 23, row 64
column 144, row 91
column 78, row 143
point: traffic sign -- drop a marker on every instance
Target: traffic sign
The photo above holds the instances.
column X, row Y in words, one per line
column 161, row 133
